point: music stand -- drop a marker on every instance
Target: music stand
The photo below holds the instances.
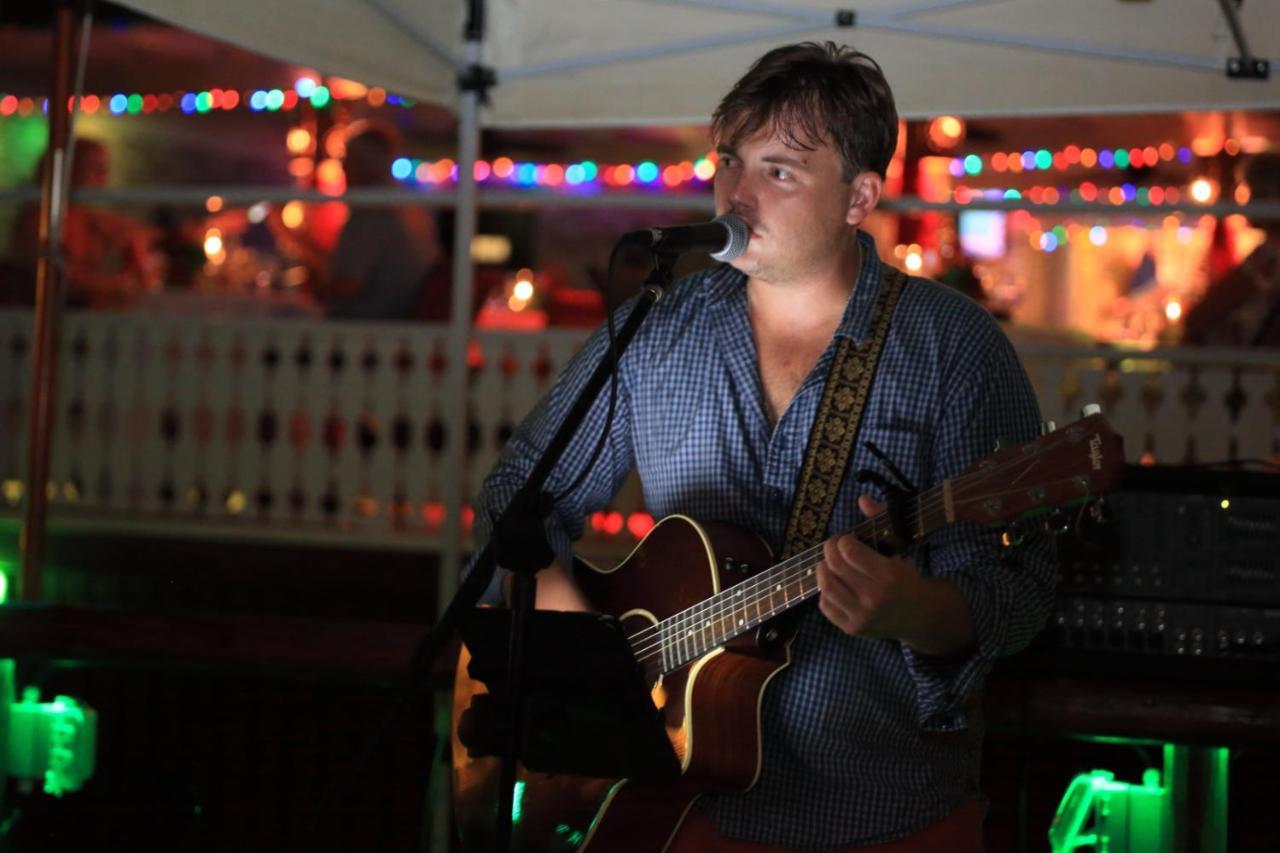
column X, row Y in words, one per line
column 587, row 708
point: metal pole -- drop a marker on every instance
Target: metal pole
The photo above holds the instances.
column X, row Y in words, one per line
column 459, row 333
column 50, row 282
column 464, row 228
column 1237, row 31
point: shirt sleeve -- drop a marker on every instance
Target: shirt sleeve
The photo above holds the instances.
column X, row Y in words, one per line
column 1009, row 590
column 360, row 243
column 523, row 450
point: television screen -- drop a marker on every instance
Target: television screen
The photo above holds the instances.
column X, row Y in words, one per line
column 982, row 233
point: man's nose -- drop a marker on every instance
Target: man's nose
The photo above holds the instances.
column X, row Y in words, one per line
column 741, row 192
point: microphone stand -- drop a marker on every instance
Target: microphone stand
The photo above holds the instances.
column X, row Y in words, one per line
column 519, row 541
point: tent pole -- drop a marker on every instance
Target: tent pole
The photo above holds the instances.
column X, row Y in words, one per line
column 436, row 832
column 459, row 332
column 50, row 283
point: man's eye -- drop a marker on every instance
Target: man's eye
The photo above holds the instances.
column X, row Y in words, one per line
column 781, row 174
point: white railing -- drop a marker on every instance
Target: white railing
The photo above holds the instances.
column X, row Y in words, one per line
column 1173, row 406
column 334, row 432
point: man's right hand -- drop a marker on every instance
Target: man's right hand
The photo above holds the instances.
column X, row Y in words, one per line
column 556, row 590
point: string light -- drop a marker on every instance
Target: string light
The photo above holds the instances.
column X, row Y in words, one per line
column 305, row 89
column 946, row 132
column 298, row 141
column 292, row 214
column 1071, row 156
column 1201, row 190
column 582, row 175
column 1087, row 191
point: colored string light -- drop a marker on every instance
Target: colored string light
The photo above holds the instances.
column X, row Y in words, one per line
column 1069, row 157
column 585, row 175
column 257, row 100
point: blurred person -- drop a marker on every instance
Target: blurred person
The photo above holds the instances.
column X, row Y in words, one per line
column 1242, row 309
column 107, row 255
column 961, row 274
column 386, row 258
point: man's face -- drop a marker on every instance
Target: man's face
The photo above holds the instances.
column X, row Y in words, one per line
column 794, row 200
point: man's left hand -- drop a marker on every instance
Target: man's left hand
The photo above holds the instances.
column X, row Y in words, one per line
column 865, row 593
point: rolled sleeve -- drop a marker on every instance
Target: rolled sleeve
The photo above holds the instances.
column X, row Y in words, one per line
column 565, row 524
column 1009, row 593
column 1009, row 590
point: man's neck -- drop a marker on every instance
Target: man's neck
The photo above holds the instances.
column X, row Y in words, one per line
column 817, row 301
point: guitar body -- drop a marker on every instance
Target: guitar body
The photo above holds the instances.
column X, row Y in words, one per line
column 711, row 706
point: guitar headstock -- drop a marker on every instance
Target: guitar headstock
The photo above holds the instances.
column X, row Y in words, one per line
column 1082, row 460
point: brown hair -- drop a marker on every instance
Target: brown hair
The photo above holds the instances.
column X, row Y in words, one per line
column 810, row 94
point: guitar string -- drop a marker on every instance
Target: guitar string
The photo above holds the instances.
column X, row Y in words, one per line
column 785, row 573
column 738, row 598
column 723, row 604
column 779, row 572
column 927, row 503
column 692, row 644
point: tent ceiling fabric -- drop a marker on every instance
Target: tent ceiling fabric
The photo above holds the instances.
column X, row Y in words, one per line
column 630, row 62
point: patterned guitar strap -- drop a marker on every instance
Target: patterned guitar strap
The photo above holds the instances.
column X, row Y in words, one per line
column 835, row 428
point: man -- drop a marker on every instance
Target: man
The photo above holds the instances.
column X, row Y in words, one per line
column 1243, row 308
column 385, row 255
column 107, row 255
column 872, row 734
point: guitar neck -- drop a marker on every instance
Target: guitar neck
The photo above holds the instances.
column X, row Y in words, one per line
column 692, row 633
column 1084, row 459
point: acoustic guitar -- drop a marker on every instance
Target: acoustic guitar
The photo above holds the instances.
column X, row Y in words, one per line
column 697, row 602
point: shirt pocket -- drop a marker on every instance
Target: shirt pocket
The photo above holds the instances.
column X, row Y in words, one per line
column 906, row 445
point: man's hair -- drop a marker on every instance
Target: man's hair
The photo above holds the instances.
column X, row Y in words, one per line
column 377, row 137
column 810, row 94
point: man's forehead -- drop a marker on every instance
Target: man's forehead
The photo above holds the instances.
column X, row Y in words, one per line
column 771, row 140
column 793, row 124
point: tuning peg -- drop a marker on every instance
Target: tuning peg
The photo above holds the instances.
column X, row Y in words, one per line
column 1098, row 511
column 1057, row 522
column 1047, row 427
column 1013, row 535
column 1090, row 409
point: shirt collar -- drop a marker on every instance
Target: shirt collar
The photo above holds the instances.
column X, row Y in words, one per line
column 856, row 321
column 723, row 281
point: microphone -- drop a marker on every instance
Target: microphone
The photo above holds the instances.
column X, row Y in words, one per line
column 724, row 238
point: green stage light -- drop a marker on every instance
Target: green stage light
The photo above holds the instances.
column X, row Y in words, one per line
column 46, row 740
column 517, row 803
column 1100, row 813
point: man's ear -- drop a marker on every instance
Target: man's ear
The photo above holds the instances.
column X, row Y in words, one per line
column 864, row 195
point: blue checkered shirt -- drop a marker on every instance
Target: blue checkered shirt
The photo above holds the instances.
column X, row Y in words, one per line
column 864, row 740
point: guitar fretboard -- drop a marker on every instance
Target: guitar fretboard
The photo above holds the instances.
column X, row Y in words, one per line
column 692, row 633
column 1063, row 467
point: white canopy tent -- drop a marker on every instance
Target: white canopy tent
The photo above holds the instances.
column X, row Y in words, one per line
column 592, row 62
